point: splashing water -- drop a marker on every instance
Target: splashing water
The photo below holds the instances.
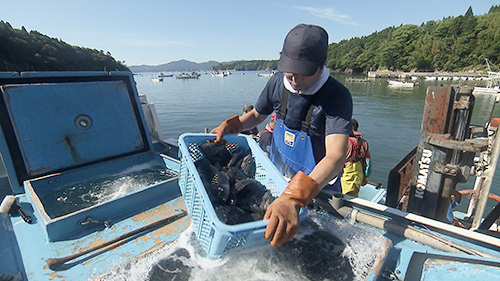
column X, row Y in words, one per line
column 325, row 248
column 68, row 199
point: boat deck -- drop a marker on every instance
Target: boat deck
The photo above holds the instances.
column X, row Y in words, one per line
column 411, row 247
column 35, row 249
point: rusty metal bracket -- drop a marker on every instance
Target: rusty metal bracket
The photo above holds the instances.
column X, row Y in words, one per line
column 447, row 169
column 461, row 104
column 469, row 145
column 459, row 172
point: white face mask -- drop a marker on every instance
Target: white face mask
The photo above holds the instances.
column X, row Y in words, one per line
column 325, row 73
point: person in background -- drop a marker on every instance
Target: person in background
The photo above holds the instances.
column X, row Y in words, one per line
column 455, row 199
column 357, row 167
column 253, row 132
column 312, row 127
column 266, row 136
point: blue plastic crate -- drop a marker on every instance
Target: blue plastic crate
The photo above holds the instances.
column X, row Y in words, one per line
column 215, row 236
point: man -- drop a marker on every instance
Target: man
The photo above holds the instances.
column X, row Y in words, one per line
column 310, row 136
column 357, row 167
column 455, row 199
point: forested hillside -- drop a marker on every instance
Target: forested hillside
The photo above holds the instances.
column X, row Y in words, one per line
column 452, row 44
column 249, row 65
column 21, row 50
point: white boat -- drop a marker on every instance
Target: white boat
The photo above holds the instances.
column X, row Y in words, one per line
column 402, row 84
column 487, row 90
column 161, row 75
column 216, row 73
column 184, row 75
column 269, row 74
column 493, row 84
column 156, row 79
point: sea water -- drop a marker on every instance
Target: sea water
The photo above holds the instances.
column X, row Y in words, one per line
column 325, row 248
column 70, row 198
column 389, row 118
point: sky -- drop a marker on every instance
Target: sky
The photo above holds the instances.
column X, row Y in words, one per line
column 154, row 32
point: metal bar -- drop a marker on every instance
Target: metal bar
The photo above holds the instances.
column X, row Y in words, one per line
column 470, row 145
column 475, row 195
column 476, row 236
column 490, row 218
column 460, row 126
column 411, row 232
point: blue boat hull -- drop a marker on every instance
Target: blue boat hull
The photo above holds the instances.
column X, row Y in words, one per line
column 96, row 241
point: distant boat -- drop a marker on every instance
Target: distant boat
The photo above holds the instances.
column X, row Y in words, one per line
column 216, row 73
column 266, row 74
column 184, row 75
column 493, row 85
column 402, row 84
column 487, row 90
column 156, row 79
column 161, row 75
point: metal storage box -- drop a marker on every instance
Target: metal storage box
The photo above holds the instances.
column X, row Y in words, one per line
column 61, row 131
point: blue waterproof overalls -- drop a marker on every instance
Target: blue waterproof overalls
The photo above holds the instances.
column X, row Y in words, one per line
column 292, row 150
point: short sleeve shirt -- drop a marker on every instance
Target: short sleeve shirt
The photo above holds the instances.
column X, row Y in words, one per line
column 253, row 131
column 265, row 140
column 332, row 110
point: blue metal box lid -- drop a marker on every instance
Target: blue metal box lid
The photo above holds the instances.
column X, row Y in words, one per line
column 53, row 122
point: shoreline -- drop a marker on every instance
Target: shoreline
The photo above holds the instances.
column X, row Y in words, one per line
column 403, row 74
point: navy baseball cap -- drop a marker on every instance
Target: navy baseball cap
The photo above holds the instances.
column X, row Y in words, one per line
column 304, row 50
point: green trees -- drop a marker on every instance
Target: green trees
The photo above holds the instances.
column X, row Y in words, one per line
column 452, row 44
column 21, row 50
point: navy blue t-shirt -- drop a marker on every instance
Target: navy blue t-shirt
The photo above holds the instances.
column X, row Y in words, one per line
column 332, row 110
column 265, row 140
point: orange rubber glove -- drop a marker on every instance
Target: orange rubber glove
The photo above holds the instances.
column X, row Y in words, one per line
column 229, row 126
column 283, row 214
column 301, row 188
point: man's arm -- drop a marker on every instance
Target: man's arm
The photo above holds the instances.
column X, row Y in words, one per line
column 366, row 154
column 333, row 162
column 236, row 124
column 366, row 150
column 251, row 119
column 283, row 214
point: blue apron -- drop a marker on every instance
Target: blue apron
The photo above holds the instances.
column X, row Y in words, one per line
column 292, row 150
